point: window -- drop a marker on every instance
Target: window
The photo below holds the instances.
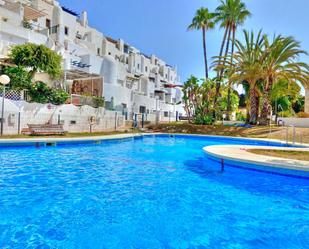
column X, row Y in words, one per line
column 166, row 114
column 126, row 49
column 146, row 69
column 138, row 66
column 47, row 23
column 66, row 30
column 142, row 109
column 98, row 51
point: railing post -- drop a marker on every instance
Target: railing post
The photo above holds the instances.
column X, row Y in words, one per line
column 18, row 123
column 116, row 117
column 142, row 120
column 294, row 134
column 287, row 135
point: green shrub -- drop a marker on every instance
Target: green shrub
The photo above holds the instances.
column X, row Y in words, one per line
column 20, row 78
column 41, row 93
column 58, row 96
column 98, row 101
column 285, row 114
column 203, row 119
column 240, row 116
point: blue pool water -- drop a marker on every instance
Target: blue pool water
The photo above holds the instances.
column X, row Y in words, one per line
column 150, row 192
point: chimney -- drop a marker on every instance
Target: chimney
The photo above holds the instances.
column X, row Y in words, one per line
column 84, row 19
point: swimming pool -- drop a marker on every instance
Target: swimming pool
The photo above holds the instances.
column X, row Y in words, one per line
column 148, row 192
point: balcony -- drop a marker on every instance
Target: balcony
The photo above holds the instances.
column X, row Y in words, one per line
column 33, row 33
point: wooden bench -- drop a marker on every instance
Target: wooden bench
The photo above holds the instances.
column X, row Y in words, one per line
column 45, row 129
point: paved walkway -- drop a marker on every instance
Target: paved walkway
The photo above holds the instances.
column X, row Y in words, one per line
column 17, row 141
column 240, row 153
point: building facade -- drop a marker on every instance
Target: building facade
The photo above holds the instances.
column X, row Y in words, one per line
column 130, row 81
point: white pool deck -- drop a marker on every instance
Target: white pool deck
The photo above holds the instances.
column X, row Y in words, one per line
column 20, row 141
column 240, row 153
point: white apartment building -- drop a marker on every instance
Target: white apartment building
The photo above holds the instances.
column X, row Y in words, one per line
column 130, row 81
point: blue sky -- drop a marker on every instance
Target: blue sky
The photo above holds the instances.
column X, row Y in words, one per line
column 159, row 27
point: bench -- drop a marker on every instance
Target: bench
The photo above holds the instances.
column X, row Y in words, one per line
column 45, row 129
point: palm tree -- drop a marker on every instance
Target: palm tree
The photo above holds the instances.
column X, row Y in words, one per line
column 279, row 62
column 230, row 14
column 203, row 20
column 245, row 66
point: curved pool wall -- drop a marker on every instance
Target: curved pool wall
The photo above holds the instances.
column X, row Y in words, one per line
column 147, row 192
column 225, row 164
column 42, row 142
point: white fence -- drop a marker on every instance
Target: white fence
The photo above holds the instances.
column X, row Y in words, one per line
column 18, row 114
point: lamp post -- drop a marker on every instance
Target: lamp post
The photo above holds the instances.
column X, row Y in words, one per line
column 4, row 80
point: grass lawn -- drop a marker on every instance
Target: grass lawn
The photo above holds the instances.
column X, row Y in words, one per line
column 297, row 155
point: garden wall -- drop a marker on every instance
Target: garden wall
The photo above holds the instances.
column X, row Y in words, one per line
column 297, row 122
column 17, row 114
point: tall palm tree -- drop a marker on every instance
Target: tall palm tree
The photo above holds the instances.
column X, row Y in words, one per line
column 245, row 66
column 203, row 20
column 230, row 14
column 280, row 62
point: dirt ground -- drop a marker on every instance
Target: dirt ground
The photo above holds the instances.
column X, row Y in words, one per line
column 297, row 155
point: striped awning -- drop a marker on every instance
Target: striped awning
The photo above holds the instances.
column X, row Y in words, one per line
column 31, row 13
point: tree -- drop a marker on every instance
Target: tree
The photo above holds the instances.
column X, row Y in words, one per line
column 198, row 99
column 20, row 78
column 203, row 20
column 224, row 101
column 190, row 90
column 246, row 66
column 230, row 14
column 279, row 62
column 37, row 58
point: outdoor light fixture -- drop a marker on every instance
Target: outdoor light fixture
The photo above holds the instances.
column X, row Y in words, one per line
column 4, row 80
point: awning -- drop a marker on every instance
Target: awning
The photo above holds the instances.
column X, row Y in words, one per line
column 31, row 13
column 75, row 74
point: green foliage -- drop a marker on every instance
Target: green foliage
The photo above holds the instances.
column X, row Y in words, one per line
column 98, row 101
column 203, row 119
column 58, row 96
column 224, row 99
column 20, row 78
column 283, row 88
column 240, row 116
column 27, row 24
column 37, row 58
column 39, row 92
column 299, row 104
column 285, row 114
column 203, row 19
column 198, row 100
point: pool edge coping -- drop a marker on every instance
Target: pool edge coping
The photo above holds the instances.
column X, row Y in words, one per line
column 27, row 141
column 240, row 153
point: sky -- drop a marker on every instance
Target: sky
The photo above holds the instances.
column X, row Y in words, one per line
column 160, row 27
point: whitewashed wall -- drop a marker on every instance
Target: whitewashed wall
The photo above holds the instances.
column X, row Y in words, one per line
column 74, row 119
column 297, row 122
